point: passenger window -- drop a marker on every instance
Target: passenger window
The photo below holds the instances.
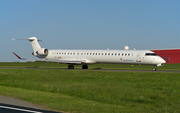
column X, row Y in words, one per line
column 105, row 53
column 99, row 53
column 119, row 54
column 108, row 53
column 102, row 53
column 112, row 54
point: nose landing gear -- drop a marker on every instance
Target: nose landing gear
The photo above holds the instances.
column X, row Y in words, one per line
column 155, row 68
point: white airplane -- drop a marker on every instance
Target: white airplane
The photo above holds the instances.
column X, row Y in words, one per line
column 85, row 57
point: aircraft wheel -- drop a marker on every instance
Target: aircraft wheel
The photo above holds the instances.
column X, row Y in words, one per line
column 155, row 68
column 71, row 67
column 84, row 67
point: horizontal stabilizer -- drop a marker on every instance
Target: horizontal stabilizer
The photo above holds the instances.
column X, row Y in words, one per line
column 34, row 42
column 28, row 39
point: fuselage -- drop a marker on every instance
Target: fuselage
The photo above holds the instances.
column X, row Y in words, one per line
column 106, row 56
column 85, row 57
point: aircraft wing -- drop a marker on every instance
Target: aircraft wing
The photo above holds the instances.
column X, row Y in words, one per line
column 56, row 61
column 60, row 61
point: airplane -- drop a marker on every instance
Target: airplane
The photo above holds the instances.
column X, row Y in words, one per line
column 86, row 57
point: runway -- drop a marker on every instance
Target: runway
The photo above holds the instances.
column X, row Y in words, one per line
column 6, row 108
column 113, row 70
column 11, row 105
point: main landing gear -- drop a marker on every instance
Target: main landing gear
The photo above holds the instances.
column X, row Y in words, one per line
column 71, row 66
column 155, row 68
column 84, row 67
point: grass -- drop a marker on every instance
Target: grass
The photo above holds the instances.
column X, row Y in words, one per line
column 94, row 91
column 61, row 102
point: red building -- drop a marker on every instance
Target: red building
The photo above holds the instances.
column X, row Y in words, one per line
column 170, row 55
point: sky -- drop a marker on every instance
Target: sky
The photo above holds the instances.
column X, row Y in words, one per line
column 88, row 24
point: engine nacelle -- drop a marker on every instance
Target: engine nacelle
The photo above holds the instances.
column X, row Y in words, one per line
column 42, row 51
column 34, row 53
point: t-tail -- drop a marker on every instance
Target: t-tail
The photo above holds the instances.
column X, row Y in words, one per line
column 38, row 51
column 35, row 44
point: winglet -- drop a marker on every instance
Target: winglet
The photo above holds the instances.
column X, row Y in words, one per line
column 19, row 56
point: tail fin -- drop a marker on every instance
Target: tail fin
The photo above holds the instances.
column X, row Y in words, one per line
column 34, row 43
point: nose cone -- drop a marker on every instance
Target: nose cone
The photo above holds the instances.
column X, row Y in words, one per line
column 161, row 60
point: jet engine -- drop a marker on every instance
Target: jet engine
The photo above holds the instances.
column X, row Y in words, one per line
column 41, row 51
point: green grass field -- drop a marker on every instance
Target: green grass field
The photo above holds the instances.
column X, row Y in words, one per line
column 93, row 91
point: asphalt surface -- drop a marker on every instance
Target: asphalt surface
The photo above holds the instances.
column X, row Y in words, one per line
column 6, row 108
column 114, row 70
column 11, row 105
column 12, row 101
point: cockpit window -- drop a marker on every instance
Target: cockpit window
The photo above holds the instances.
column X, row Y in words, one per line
column 151, row 54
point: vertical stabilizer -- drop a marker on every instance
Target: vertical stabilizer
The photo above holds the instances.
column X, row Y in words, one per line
column 34, row 43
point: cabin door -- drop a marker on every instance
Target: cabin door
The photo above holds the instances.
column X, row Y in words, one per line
column 138, row 57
